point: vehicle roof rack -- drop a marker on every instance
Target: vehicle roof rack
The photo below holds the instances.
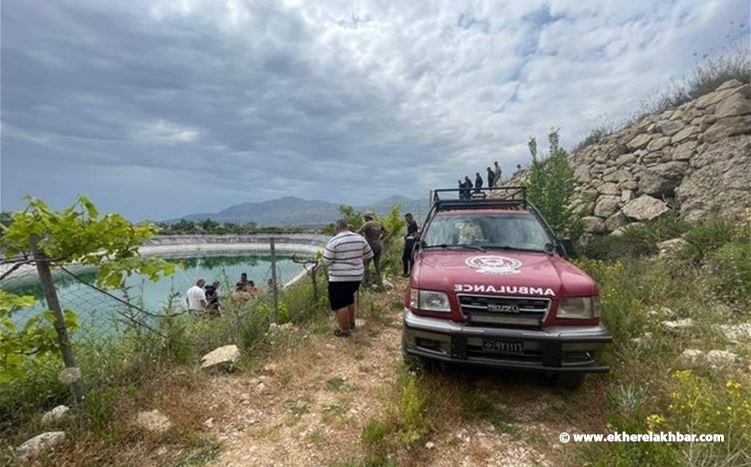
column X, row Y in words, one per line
column 505, row 197
column 445, row 199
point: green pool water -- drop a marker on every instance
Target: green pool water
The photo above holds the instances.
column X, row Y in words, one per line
column 97, row 310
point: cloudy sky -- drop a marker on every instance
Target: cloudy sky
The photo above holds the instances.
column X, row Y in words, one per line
column 163, row 108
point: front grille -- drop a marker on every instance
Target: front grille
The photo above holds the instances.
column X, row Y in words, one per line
column 504, row 311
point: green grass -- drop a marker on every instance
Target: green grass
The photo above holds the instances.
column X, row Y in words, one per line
column 649, row 387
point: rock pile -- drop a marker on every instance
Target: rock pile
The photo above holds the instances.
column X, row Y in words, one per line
column 695, row 158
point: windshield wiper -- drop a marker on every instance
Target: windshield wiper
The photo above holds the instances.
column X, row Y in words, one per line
column 445, row 247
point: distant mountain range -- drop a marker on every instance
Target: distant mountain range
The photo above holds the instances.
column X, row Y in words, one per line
column 297, row 212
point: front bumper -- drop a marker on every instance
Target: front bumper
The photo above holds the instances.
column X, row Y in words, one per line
column 559, row 349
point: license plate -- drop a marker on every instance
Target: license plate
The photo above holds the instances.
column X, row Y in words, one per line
column 503, row 346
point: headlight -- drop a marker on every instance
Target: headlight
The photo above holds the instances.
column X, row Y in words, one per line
column 579, row 308
column 428, row 300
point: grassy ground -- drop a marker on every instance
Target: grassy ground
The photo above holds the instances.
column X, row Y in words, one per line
column 302, row 397
column 651, row 387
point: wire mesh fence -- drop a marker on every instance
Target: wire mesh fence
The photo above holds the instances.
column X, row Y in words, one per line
column 142, row 307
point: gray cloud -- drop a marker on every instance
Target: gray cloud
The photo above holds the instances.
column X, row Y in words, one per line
column 163, row 108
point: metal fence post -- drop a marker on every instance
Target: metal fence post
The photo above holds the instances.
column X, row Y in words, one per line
column 63, row 339
column 274, row 287
column 313, row 274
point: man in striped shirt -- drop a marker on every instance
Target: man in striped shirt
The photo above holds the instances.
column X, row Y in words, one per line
column 345, row 255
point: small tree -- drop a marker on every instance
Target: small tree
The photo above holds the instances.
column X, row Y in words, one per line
column 48, row 239
column 394, row 222
column 352, row 215
column 551, row 185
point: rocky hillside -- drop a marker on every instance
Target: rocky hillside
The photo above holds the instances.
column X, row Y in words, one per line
column 695, row 159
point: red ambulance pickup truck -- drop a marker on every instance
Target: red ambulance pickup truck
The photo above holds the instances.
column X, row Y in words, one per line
column 491, row 287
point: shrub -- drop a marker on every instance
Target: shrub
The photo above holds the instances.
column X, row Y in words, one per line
column 551, row 185
column 636, row 240
column 708, row 236
column 730, row 272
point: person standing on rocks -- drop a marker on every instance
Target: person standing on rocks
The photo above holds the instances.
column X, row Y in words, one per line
column 374, row 232
column 345, row 256
column 491, row 178
column 196, row 297
column 478, row 182
column 497, row 174
column 467, row 188
column 409, row 243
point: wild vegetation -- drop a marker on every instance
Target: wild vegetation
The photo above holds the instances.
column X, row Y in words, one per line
column 210, row 226
column 734, row 62
column 551, row 185
column 653, row 386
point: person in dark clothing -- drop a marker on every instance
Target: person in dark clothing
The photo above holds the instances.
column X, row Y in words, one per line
column 243, row 285
column 374, row 232
column 491, row 178
column 467, row 188
column 409, row 243
column 478, row 182
column 212, row 299
column 461, row 189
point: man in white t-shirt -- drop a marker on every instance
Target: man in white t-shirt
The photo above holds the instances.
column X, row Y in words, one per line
column 196, row 298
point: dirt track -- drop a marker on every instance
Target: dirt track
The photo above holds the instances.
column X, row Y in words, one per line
column 315, row 399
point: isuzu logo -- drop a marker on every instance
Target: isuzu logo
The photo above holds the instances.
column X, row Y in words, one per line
column 491, row 264
column 503, row 307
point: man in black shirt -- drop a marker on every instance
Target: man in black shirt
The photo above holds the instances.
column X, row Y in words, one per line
column 212, row 298
column 409, row 243
column 478, row 182
column 467, row 188
column 491, row 178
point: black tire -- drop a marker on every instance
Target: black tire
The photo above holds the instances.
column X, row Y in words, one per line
column 570, row 381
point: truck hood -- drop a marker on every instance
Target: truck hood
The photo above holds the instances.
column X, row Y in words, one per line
column 496, row 272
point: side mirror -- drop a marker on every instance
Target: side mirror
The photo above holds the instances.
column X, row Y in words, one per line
column 565, row 247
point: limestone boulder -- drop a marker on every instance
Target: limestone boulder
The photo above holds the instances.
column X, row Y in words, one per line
column 670, row 127
column 678, row 326
column 645, row 208
column 736, row 104
column 222, row 357
column 609, row 188
column 662, row 179
column 727, row 127
column 719, row 180
column 684, row 134
column 639, row 141
column 606, row 206
column 658, row 143
column 40, row 444
column 736, row 333
column 684, row 151
column 669, row 248
column 714, row 97
column 721, row 358
column 615, row 221
column 57, row 415
column 691, row 358
column 593, row 224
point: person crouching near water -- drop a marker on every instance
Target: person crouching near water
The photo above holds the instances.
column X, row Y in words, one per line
column 345, row 256
column 245, row 289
